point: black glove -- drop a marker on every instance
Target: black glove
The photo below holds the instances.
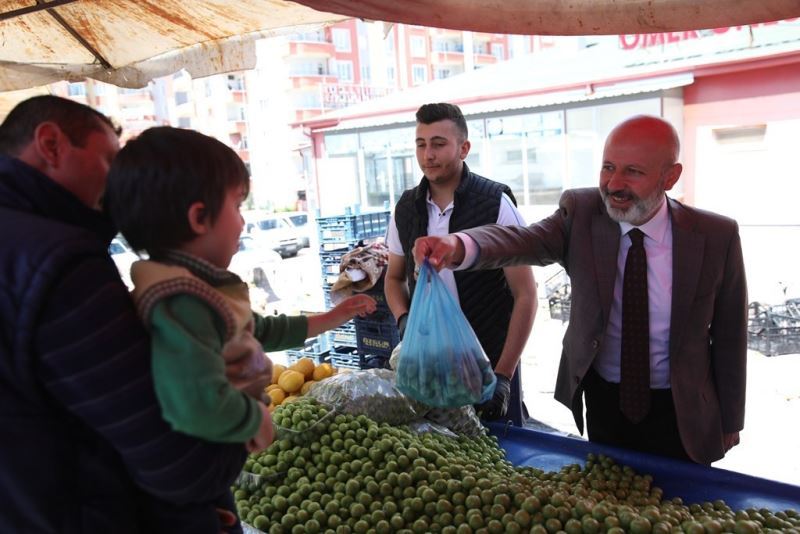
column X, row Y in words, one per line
column 497, row 406
column 401, row 325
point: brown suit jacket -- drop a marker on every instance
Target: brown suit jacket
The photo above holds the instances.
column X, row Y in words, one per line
column 708, row 331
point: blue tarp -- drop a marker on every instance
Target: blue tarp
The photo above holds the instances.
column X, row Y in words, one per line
column 693, row 483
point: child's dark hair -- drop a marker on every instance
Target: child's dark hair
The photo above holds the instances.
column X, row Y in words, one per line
column 158, row 175
column 430, row 113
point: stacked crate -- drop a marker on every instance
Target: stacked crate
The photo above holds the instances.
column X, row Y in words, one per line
column 357, row 343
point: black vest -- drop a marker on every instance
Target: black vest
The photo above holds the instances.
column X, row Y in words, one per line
column 484, row 295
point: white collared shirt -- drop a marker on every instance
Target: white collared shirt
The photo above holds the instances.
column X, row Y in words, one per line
column 658, row 247
column 439, row 224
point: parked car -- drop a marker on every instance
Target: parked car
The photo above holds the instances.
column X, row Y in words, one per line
column 272, row 230
column 258, row 266
column 123, row 257
column 305, row 227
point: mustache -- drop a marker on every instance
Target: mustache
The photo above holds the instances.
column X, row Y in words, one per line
column 623, row 193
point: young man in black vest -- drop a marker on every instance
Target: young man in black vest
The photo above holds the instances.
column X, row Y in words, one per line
column 500, row 304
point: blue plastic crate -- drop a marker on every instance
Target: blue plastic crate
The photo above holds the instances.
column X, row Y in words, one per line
column 378, row 338
column 318, row 349
column 345, row 231
column 343, row 335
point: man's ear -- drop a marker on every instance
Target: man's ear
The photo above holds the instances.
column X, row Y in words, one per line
column 465, row 146
column 198, row 218
column 48, row 139
column 673, row 174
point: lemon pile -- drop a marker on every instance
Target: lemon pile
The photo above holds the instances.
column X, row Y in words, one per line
column 290, row 383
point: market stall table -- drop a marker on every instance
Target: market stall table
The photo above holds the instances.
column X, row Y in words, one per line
column 693, row 483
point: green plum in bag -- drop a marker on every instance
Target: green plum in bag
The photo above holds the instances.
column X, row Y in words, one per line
column 441, row 361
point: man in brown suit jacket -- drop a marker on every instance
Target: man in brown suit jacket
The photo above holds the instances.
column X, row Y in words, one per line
column 695, row 282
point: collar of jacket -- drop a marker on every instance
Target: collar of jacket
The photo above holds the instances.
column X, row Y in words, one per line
column 211, row 274
column 23, row 188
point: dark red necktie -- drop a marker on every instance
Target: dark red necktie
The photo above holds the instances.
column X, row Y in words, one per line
column 634, row 384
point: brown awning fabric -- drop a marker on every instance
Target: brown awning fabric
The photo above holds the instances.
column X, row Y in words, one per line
column 129, row 42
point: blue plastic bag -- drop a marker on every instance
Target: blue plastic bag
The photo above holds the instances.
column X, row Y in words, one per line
column 441, row 361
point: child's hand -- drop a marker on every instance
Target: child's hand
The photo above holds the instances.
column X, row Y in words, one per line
column 360, row 305
column 344, row 311
column 247, row 367
column 265, row 434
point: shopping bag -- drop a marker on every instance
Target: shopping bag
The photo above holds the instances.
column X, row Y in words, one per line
column 441, row 362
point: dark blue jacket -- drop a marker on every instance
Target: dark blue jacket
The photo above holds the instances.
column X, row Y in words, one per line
column 83, row 447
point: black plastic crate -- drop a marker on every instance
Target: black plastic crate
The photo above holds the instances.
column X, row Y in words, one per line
column 347, row 358
column 376, row 338
column 345, row 231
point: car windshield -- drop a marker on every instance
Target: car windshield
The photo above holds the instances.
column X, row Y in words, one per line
column 268, row 224
column 298, row 220
column 116, row 248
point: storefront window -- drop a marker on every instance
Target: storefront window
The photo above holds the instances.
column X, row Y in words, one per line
column 587, row 129
column 477, row 131
column 527, row 153
column 389, row 164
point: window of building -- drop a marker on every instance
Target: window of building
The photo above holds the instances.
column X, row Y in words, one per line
column 366, row 74
column 307, row 100
column 236, row 113
column 344, row 70
column 391, row 75
column 181, row 97
column 184, row 122
column 77, row 89
column 313, row 67
column 341, row 39
column 235, row 83
column 389, row 163
column 439, row 73
column 417, row 43
column 419, row 74
column 498, row 51
column 314, row 37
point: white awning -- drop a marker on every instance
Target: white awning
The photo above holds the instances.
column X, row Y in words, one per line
column 584, row 93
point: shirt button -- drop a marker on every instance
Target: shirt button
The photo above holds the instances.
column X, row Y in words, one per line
column 595, row 344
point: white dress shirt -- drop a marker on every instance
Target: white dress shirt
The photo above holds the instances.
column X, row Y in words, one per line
column 439, row 224
column 658, row 247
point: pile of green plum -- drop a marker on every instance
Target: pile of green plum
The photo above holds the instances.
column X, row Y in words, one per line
column 358, row 476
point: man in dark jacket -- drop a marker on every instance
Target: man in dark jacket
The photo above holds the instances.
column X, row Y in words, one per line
column 83, row 447
column 499, row 304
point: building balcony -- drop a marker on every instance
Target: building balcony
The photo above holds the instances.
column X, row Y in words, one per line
column 311, row 49
column 301, row 115
column 304, row 81
column 485, row 59
column 447, row 58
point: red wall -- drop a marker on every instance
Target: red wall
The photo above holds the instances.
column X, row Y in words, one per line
column 753, row 95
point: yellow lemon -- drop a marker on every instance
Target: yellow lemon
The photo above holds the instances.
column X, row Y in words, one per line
column 277, row 395
column 290, row 398
column 307, row 386
column 277, row 371
column 305, row 366
column 323, row 370
column 271, row 387
column 291, row 381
